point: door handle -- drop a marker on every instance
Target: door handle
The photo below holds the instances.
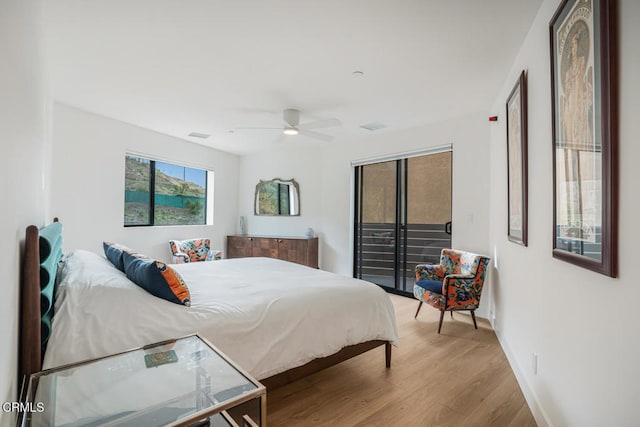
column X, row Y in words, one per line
column 447, row 228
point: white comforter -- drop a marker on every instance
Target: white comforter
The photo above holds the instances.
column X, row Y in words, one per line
column 267, row 315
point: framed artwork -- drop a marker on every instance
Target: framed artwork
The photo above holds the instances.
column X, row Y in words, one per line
column 584, row 122
column 517, row 162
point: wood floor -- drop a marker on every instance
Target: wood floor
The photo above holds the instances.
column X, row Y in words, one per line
column 458, row 378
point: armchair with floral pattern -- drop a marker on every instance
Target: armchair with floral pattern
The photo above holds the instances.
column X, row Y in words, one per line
column 193, row 250
column 454, row 284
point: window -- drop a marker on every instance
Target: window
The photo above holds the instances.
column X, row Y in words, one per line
column 159, row 193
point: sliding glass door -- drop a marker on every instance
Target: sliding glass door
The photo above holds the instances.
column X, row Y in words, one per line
column 402, row 218
column 377, row 231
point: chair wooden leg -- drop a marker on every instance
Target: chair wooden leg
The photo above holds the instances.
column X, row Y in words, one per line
column 473, row 316
column 441, row 317
column 418, row 311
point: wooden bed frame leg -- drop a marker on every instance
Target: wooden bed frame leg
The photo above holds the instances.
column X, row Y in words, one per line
column 387, row 354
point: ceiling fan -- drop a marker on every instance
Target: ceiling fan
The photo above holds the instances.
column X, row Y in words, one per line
column 292, row 125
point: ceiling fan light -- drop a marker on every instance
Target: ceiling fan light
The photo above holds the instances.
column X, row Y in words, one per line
column 290, row 131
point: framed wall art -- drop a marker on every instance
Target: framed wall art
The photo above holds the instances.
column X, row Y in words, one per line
column 584, row 122
column 517, row 205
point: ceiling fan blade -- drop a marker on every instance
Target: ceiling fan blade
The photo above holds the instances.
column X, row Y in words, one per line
column 320, row 124
column 316, row 135
column 280, row 128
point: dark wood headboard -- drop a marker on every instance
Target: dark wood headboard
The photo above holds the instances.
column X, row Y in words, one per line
column 42, row 253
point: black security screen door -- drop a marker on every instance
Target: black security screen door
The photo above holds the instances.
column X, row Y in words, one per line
column 402, row 218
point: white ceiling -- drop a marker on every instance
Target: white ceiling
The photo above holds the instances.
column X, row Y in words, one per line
column 210, row 66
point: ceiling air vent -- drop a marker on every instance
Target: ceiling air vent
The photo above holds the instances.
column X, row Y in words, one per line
column 199, row 135
column 373, row 126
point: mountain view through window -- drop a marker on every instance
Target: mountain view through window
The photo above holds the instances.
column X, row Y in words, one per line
column 159, row 193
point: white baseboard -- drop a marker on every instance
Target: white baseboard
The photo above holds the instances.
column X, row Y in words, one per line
column 530, row 396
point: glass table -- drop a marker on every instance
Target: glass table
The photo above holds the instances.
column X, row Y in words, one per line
column 181, row 382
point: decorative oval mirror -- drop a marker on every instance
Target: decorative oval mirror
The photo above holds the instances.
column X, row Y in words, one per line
column 277, row 197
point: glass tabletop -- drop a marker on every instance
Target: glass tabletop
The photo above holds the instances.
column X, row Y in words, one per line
column 159, row 384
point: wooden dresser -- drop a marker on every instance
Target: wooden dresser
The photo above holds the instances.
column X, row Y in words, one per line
column 295, row 249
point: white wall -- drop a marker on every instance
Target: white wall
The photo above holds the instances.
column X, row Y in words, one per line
column 23, row 138
column 300, row 164
column 583, row 325
column 88, row 183
column 326, row 187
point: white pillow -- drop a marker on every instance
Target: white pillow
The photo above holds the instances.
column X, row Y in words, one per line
column 83, row 269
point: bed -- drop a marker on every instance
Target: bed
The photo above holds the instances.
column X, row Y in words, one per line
column 278, row 320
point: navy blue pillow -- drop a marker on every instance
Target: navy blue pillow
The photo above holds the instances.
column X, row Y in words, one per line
column 114, row 252
column 434, row 286
column 157, row 278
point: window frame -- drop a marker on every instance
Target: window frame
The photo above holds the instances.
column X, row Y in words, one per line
column 152, row 194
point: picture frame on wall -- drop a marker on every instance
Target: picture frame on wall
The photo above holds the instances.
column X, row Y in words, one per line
column 517, row 180
column 584, row 125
